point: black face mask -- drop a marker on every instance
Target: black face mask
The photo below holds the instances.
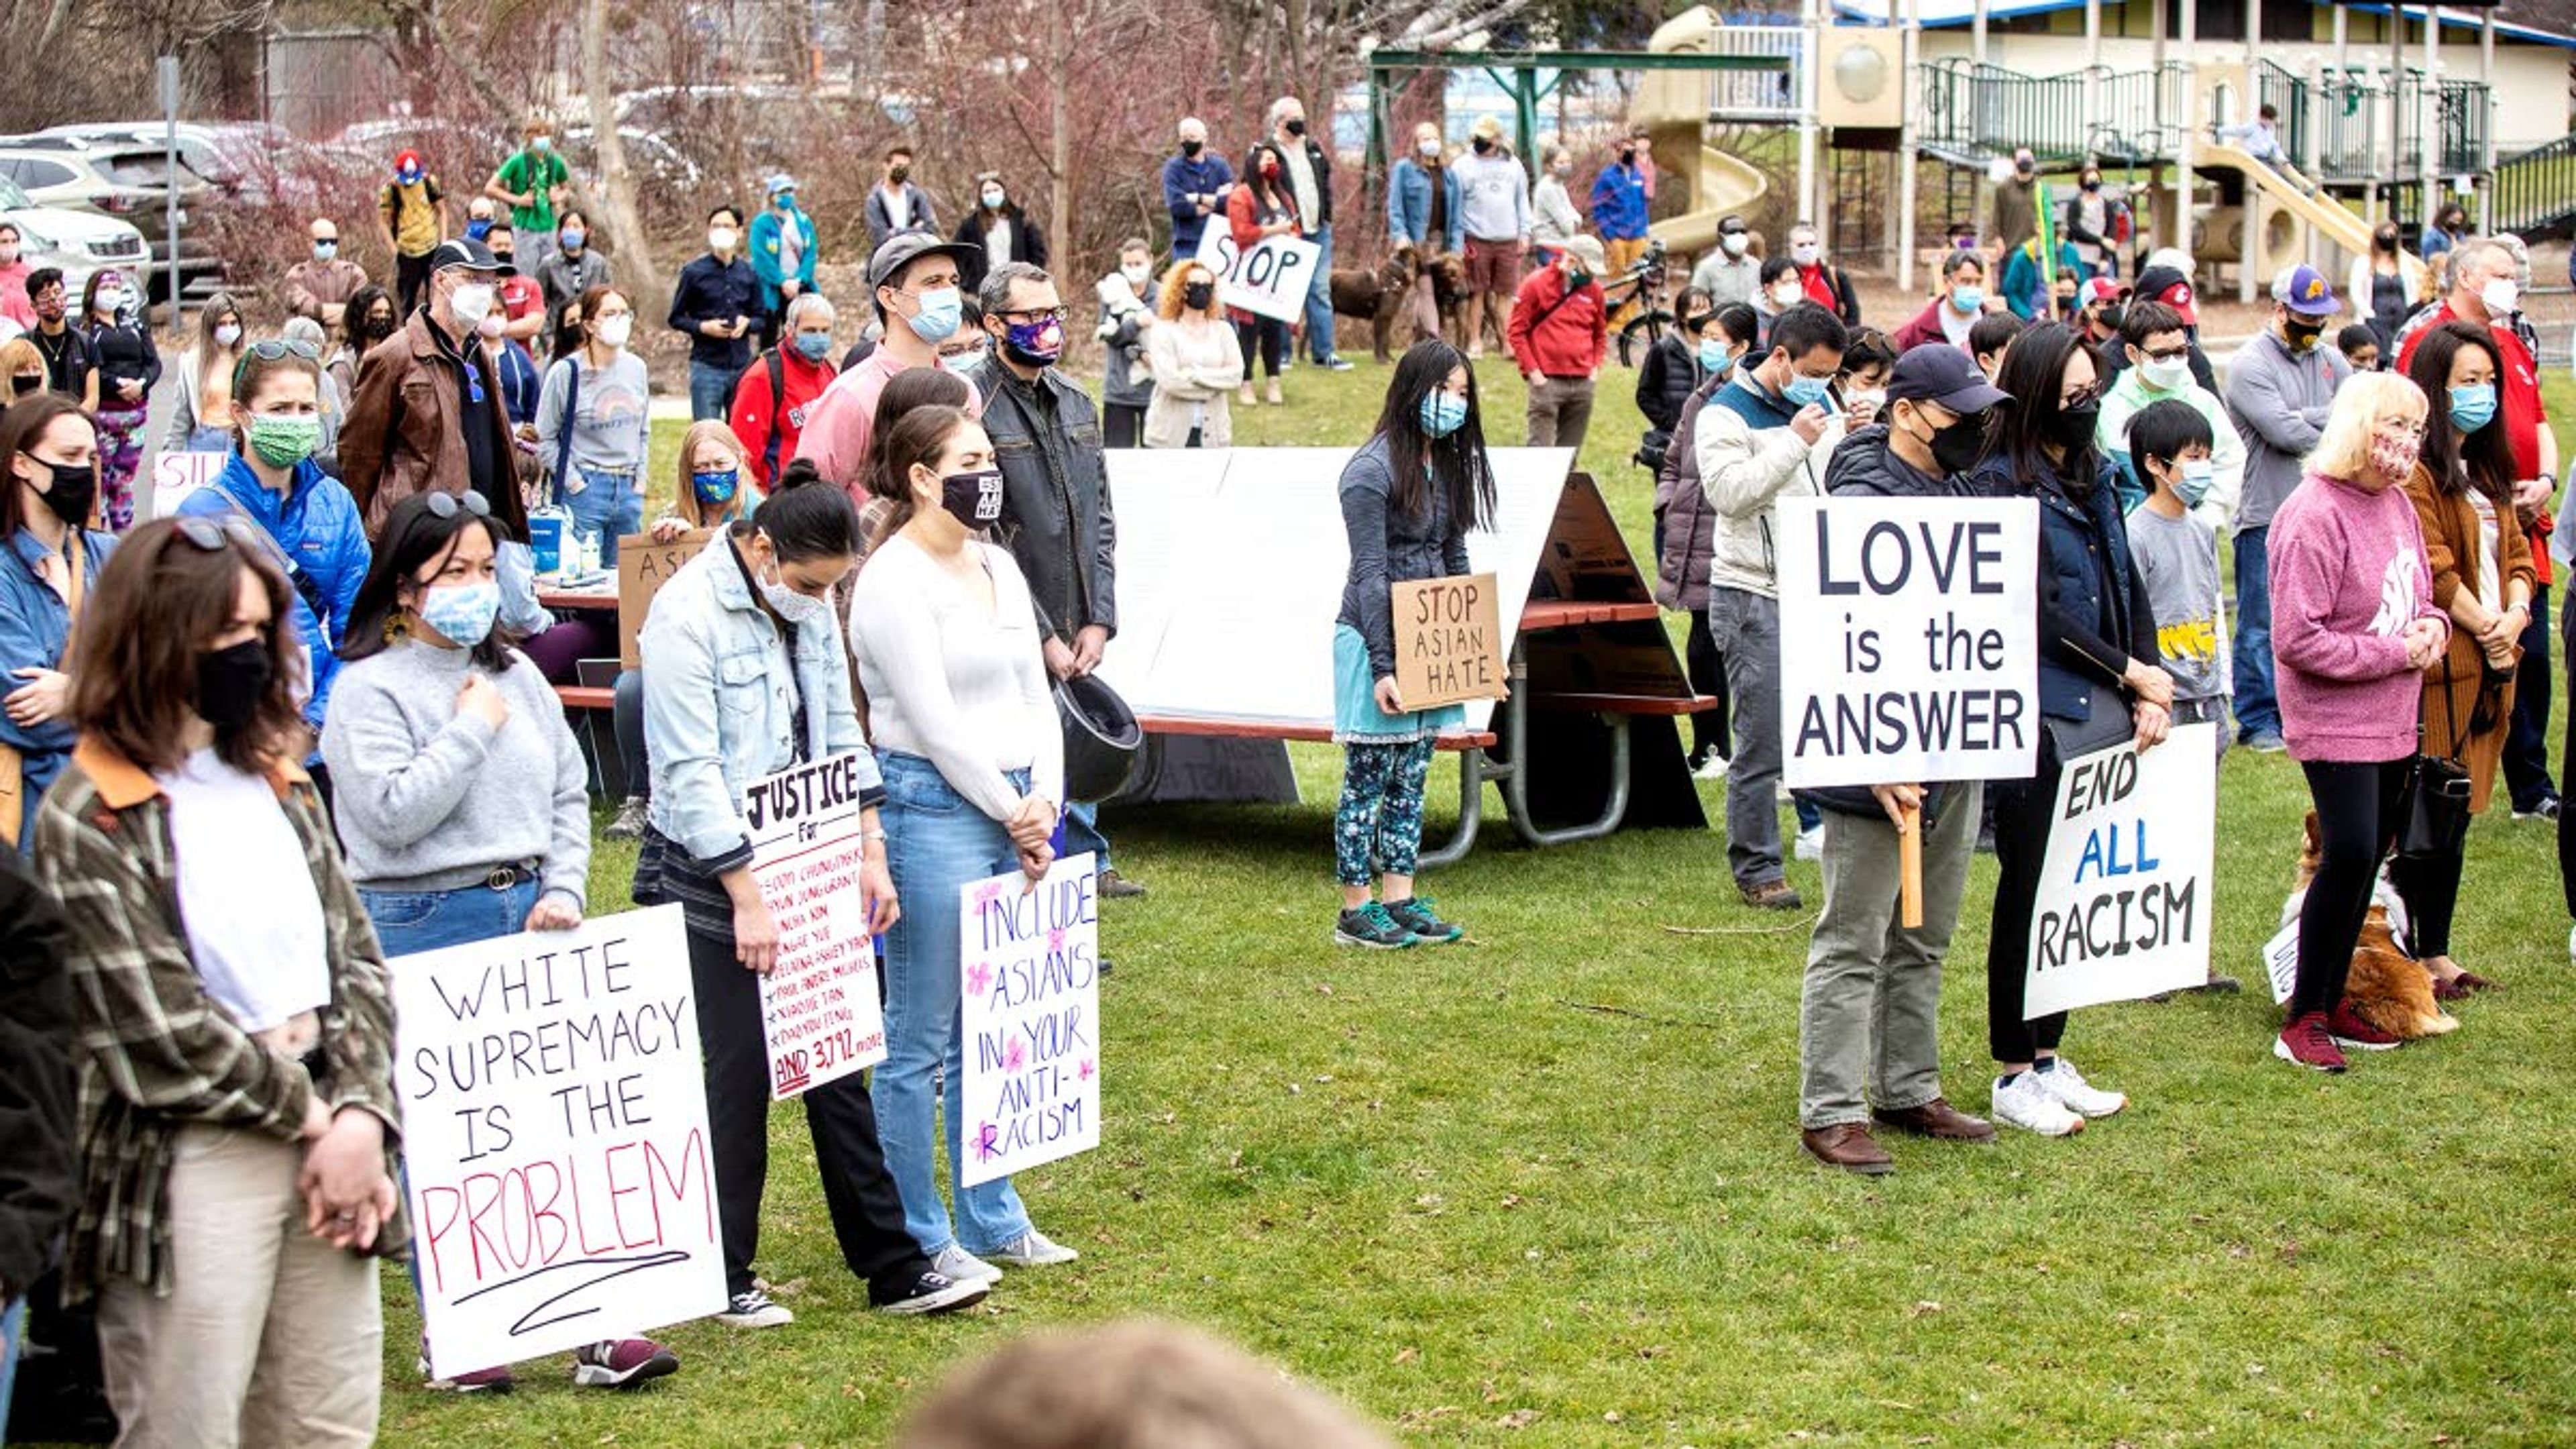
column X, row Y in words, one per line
column 230, row 684
column 75, row 490
column 1957, row 447
column 2076, row 426
column 26, row 386
column 1198, row 295
column 1192, row 148
column 2093, row 185
column 2111, row 319
column 1296, row 127
column 973, row 499
column 1482, row 145
column 2386, row 241
column 2302, row 336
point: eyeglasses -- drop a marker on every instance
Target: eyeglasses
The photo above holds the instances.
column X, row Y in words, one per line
column 443, row 506
column 2086, row 398
column 2170, row 354
column 274, row 349
column 1034, row 314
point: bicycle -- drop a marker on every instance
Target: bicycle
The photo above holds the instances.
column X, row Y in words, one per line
column 1642, row 283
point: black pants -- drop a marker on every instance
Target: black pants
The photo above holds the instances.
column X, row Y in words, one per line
column 1272, row 335
column 867, row 1213
column 2357, row 820
column 2431, row 889
column 2022, row 812
column 410, row 275
column 1710, row 729
column 2526, row 745
column 1122, row 426
column 626, row 721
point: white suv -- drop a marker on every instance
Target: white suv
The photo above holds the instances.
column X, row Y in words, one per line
column 76, row 241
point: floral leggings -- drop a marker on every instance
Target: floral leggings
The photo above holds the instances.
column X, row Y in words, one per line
column 1379, row 821
column 120, row 455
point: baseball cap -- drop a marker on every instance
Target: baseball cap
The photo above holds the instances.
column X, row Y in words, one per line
column 2164, row 284
column 1487, row 127
column 781, row 182
column 2099, row 289
column 2304, row 291
column 901, row 249
column 1588, row 251
column 407, row 160
column 464, row 252
column 1943, row 374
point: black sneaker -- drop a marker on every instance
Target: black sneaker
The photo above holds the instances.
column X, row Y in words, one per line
column 2545, row 808
column 932, row 1293
column 1415, row 915
column 1371, row 926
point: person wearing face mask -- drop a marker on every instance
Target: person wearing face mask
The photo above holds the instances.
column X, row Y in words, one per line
column 1686, row 527
column 947, row 636
column 1868, row 1046
column 309, row 520
column 593, row 423
column 1619, row 200
column 1954, row 309
column 998, row 229
column 69, row 368
column 914, row 278
column 522, row 313
column 1309, row 171
column 1732, row 270
column 1990, row 339
column 2015, row 217
column 564, row 273
column 2028, row 278
column 2280, row 390
column 53, row 567
column 1765, row 435
column 784, row 251
column 1196, row 181
column 778, row 393
column 120, row 343
column 2091, row 218
column 2358, row 628
column 1553, row 217
column 1820, row 281
column 428, row 415
column 713, row 305
column 367, row 320
column 2444, row 233
column 1779, row 290
column 1493, row 196
column 1559, row 336
column 15, row 305
column 411, row 220
column 1861, row 390
column 533, row 182
column 2390, row 283
column 202, row 420
column 321, row 285
column 1261, row 206
column 748, row 678
column 234, row 1016
column 1127, row 316
column 24, row 368
column 1422, row 209
column 2159, row 370
column 2099, row 681
column 2169, row 444
column 1670, row 374
column 334, row 402
column 897, row 204
column 1195, row 362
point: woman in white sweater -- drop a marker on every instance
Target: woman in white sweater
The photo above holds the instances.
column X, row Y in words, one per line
column 966, row 733
column 1197, row 363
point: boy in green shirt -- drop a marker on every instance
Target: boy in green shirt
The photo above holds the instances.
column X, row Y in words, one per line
column 533, row 182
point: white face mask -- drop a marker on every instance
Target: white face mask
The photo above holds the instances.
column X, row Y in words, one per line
column 802, row 610
column 720, row 239
column 471, row 303
column 1786, row 295
column 613, row 331
column 112, row 300
column 2499, row 296
column 1735, row 242
column 1428, row 146
column 1136, row 274
column 2166, row 376
column 228, row 334
column 491, row 325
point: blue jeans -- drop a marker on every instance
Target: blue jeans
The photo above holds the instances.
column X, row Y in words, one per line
column 1319, row 297
column 938, row 843
column 709, row 387
column 13, row 1327
column 2258, row 709
column 409, row 922
column 607, row 505
column 1080, row 831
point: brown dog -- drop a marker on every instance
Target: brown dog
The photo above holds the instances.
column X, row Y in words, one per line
column 1449, row 293
column 2387, row 988
column 1379, row 298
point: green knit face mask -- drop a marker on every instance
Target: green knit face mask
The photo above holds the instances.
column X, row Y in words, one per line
column 283, row 440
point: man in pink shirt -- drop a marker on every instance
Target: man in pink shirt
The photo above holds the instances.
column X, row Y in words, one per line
column 919, row 306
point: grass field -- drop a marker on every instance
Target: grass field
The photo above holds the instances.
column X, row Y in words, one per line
column 1545, row 1187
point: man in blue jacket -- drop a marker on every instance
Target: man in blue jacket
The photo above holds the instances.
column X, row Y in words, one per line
column 1619, row 197
column 1195, row 184
column 713, row 306
column 783, row 250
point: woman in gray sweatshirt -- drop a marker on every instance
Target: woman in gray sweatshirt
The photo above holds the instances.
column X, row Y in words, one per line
column 593, row 428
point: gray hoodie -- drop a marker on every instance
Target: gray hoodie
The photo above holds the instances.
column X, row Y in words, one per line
column 2279, row 404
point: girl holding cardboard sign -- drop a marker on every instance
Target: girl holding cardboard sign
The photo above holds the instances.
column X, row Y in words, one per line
column 1409, row 495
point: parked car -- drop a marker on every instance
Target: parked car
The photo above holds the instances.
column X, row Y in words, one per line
column 75, row 241
column 251, row 161
column 122, row 182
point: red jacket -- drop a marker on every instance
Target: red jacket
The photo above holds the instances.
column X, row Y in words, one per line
column 755, row 419
column 1574, row 334
column 1923, row 329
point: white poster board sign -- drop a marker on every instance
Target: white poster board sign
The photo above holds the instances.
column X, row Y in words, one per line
column 2125, row 891
column 557, row 1167
column 818, row 1006
column 2281, row 962
column 1029, row 998
column 1909, row 639
column 1270, row 279
column 176, row 475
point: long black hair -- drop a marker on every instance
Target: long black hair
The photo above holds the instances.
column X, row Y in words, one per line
column 414, row 537
column 1456, row 464
column 2483, row 459
column 805, row 517
column 2034, row 373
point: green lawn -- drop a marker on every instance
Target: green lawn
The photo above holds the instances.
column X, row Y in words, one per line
column 1545, row 1187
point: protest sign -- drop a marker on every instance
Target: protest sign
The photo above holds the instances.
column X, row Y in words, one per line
column 1448, row 641
column 1909, row 639
column 2124, row 901
column 176, row 475
column 1029, row 998
column 2281, row 962
column 1270, row 279
column 818, row 1005
column 643, row 567
column 555, row 1146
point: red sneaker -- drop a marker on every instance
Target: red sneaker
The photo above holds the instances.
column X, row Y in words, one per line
column 2349, row 1030
column 2305, row 1042
column 622, row 1363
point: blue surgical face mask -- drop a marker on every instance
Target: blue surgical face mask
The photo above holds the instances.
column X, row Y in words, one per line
column 941, row 310
column 2191, row 481
column 1714, row 358
column 2473, row 408
column 716, row 488
column 462, row 613
column 478, row 227
column 812, row 346
column 1806, row 391
column 1966, row 299
column 1443, row 413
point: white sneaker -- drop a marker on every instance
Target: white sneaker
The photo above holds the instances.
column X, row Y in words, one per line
column 1811, row 844
column 1714, row 768
column 1033, row 1250
column 2026, row 1104
column 955, row 1262
column 2077, row 1095
column 754, row 1310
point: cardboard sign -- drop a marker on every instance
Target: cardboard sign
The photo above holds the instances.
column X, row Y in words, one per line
column 1909, row 639
column 818, row 1005
column 176, row 475
column 555, row 1148
column 1270, row 280
column 2125, row 899
column 643, row 567
column 1029, row 1011
column 1448, row 641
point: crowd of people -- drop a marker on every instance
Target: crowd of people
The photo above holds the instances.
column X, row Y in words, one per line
column 307, row 725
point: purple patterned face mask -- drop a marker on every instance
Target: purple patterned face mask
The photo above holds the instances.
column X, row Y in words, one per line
column 1036, row 343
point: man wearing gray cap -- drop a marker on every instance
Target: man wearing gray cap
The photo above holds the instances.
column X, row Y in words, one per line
column 783, row 251
column 919, row 304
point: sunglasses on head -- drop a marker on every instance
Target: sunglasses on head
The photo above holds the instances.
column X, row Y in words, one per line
column 444, row 506
column 210, row 535
column 274, row 349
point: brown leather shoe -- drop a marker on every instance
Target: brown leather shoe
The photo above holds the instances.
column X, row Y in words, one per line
column 1937, row 1118
column 1771, row 895
column 1849, row 1146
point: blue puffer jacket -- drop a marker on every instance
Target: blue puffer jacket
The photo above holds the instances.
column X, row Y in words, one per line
column 318, row 539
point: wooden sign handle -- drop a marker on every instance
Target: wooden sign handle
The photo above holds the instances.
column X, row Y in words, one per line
column 1909, row 868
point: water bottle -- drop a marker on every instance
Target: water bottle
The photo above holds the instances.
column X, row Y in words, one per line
column 545, row 537
column 589, row 552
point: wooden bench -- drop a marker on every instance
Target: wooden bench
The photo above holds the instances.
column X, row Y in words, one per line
column 586, row 696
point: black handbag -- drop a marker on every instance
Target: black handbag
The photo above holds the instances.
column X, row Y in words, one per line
column 2436, row 819
column 2106, row 722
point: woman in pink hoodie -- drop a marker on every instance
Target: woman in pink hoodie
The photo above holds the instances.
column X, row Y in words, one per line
column 2353, row 627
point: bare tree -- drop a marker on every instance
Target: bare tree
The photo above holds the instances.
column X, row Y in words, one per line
column 614, row 198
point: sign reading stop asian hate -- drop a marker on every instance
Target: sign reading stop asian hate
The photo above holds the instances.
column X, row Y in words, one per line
column 2125, row 888
column 1029, row 998
column 1448, row 641
column 818, row 1005
column 555, row 1139
column 1909, row 639
column 1269, row 279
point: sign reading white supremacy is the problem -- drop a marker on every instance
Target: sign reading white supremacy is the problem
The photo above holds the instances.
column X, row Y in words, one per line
column 818, row 1005
column 555, row 1139
column 2125, row 890
column 1029, row 1018
column 1909, row 639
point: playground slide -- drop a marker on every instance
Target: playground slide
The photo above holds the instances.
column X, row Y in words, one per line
column 1674, row 106
column 1724, row 185
column 2333, row 221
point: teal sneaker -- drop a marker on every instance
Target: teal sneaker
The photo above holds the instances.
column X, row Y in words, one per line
column 1415, row 916
column 1372, row 927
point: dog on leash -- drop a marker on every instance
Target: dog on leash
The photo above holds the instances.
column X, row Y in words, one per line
column 1381, row 298
column 2387, row 988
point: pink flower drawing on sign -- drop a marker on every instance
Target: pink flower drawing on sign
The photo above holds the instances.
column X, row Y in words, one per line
column 979, row 978
column 1055, row 939
column 988, row 1142
column 1090, row 1069
column 987, row 893
column 1015, row 1056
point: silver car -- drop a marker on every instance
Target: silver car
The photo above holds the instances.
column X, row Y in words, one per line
column 76, row 241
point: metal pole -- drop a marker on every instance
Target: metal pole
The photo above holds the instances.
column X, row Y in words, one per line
column 2092, row 66
column 1977, row 35
column 1808, row 193
column 169, row 76
column 1908, row 160
column 2194, row 113
column 2429, row 100
column 2396, row 104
